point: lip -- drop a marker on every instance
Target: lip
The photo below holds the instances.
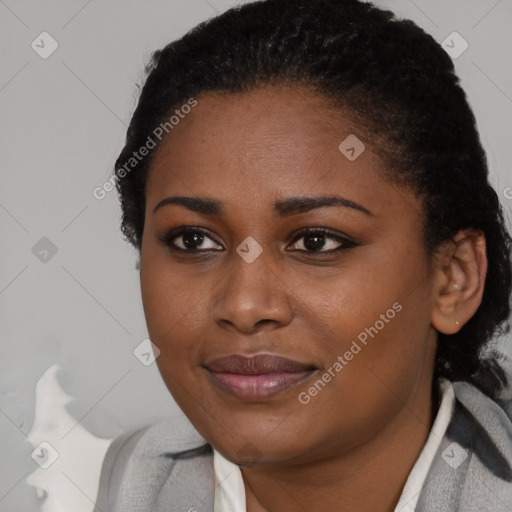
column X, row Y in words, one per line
column 259, row 377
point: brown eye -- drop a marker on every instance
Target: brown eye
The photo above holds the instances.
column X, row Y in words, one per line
column 189, row 239
column 317, row 239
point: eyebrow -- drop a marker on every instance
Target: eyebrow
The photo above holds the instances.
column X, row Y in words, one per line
column 283, row 207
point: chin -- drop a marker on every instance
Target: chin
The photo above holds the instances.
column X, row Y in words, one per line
column 258, row 451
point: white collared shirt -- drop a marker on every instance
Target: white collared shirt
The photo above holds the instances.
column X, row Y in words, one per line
column 229, row 485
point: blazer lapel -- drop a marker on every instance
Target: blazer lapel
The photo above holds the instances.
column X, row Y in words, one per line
column 191, row 485
column 470, row 471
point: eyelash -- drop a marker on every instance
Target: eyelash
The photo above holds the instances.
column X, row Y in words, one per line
column 346, row 242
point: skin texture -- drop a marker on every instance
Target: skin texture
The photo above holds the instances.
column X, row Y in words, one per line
column 353, row 445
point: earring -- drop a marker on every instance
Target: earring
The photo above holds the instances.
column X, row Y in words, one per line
column 457, row 323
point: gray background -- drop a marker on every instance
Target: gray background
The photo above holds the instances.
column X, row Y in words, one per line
column 63, row 122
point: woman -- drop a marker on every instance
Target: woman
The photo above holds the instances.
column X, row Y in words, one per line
column 323, row 266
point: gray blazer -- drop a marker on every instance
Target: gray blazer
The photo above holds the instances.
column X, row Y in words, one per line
column 168, row 466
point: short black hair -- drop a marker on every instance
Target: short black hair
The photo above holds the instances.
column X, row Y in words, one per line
column 390, row 77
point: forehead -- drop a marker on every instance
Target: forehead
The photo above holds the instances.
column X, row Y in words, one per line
column 260, row 143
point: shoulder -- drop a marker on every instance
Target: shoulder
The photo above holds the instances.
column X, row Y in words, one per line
column 479, row 401
column 472, row 469
column 495, row 417
column 155, row 465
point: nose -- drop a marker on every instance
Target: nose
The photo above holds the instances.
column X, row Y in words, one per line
column 252, row 296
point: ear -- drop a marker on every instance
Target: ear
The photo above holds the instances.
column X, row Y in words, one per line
column 460, row 267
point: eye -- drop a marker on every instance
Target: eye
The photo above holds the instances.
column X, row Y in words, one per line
column 318, row 238
column 194, row 239
column 189, row 239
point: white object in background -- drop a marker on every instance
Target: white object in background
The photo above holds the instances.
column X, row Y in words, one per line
column 69, row 456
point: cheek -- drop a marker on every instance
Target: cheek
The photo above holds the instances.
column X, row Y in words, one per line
column 176, row 313
column 353, row 296
column 382, row 303
column 166, row 298
column 168, row 305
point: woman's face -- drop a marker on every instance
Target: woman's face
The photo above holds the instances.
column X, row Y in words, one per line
column 351, row 307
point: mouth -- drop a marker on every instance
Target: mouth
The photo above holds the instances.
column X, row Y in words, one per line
column 259, row 377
